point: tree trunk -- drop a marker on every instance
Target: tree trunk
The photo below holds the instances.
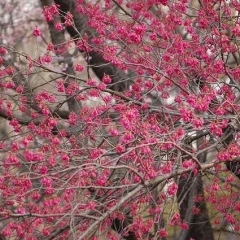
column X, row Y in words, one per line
column 190, row 187
column 120, row 80
column 190, row 196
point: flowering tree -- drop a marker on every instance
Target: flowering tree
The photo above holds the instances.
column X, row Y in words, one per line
column 122, row 120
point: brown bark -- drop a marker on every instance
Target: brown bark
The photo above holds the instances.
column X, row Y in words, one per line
column 59, row 41
column 189, row 188
column 119, row 227
column 100, row 66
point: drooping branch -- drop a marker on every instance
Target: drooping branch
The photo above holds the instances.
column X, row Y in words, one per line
column 130, row 194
